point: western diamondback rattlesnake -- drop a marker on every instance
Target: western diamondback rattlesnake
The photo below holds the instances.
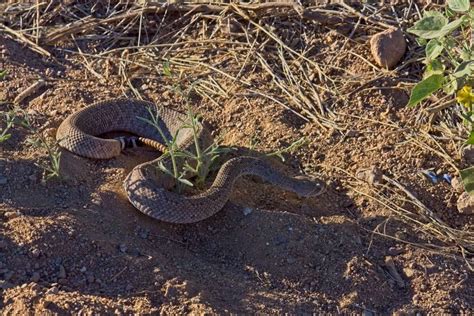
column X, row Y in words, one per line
column 147, row 187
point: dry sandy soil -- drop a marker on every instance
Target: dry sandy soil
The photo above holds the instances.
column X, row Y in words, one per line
column 76, row 245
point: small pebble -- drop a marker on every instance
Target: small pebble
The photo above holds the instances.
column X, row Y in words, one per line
column 123, row 248
column 35, row 253
column 247, row 211
column 372, row 175
column 409, row 272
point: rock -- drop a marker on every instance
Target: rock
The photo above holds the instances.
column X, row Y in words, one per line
column 465, row 203
column 123, row 248
column 372, row 175
column 408, row 272
column 247, row 211
column 457, row 185
column 388, row 47
column 35, row 253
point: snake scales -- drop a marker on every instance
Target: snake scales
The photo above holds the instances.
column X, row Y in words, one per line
column 147, row 187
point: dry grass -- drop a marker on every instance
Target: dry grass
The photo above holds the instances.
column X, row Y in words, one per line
column 265, row 51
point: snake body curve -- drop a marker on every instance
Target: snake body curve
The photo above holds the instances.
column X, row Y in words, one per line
column 146, row 186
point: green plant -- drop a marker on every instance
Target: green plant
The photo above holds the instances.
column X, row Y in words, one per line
column 448, row 38
column 3, row 74
column 9, row 123
column 449, row 50
column 186, row 165
column 190, row 168
column 51, row 168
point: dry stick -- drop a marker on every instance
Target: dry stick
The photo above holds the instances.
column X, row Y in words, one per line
column 364, row 17
column 280, row 103
column 23, row 38
column 449, row 231
column 441, row 153
column 84, row 24
column 279, row 41
column 210, row 67
column 29, row 91
column 181, row 33
column 87, row 64
column 377, row 69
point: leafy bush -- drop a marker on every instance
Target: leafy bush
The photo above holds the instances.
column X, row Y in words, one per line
column 448, row 38
column 449, row 51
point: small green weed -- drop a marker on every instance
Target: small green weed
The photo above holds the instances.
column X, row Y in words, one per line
column 3, row 74
column 9, row 119
column 51, row 168
column 186, row 164
column 187, row 168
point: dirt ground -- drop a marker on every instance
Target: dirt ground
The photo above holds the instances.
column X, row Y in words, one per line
column 77, row 246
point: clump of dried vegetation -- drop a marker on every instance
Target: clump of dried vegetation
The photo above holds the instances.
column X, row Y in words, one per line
column 265, row 51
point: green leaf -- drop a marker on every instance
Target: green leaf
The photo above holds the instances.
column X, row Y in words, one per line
column 434, row 67
column 5, row 137
column 429, row 26
column 3, row 73
column 434, row 27
column 467, row 176
column 433, row 49
column 459, row 5
column 167, row 69
column 466, row 54
column 185, row 181
column 470, row 140
column 432, row 13
column 425, row 88
column 464, row 69
column 451, row 86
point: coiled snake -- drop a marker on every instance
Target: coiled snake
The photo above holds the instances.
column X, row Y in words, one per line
column 147, row 187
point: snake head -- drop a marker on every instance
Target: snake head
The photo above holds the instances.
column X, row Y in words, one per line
column 309, row 186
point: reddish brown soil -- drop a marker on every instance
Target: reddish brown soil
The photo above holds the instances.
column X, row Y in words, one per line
column 78, row 246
